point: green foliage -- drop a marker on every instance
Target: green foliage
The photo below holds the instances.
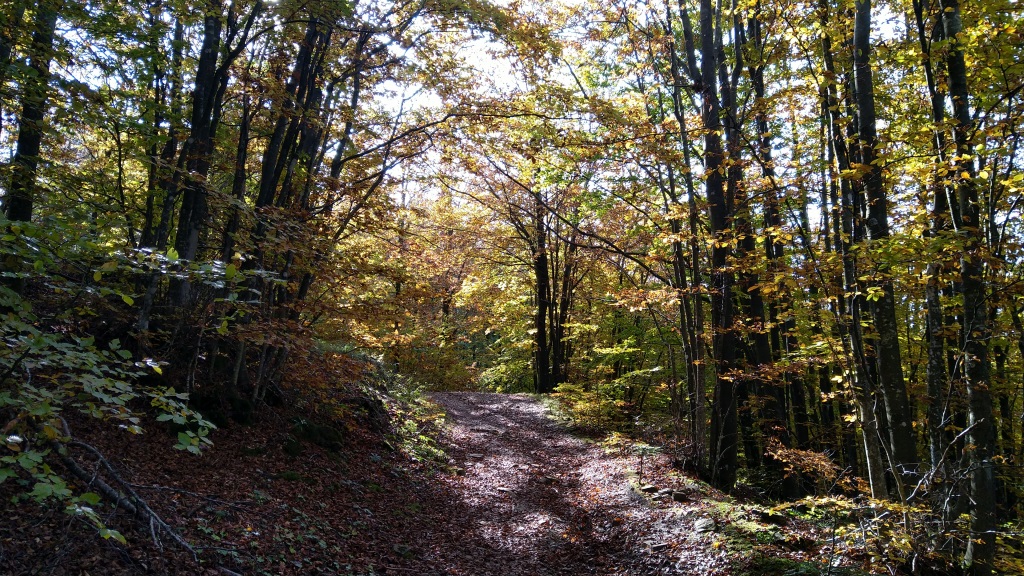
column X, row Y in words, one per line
column 590, row 409
column 880, row 534
column 775, row 566
column 507, row 375
column 415, row 420
column 49, row 368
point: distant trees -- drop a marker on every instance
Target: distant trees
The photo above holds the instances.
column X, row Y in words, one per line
column 791, row 230
column 814, row 236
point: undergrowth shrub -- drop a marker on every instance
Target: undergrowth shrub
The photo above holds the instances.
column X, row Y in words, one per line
column 512, row 375
column 53, row 297
column 416, row 421
column 893, row 538
column 590, row 409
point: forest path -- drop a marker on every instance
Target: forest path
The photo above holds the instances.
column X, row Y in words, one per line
column 537, row 501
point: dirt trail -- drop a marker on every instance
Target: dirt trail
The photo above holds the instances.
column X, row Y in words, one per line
column 539, row 502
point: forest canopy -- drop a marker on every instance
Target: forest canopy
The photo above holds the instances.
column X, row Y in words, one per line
column 785, row 234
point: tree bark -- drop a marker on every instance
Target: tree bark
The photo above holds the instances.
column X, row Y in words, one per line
column 724, row 450
column 847, row 232
column 690, row 306
column 193, row 212
column 902, row 446
column 8, row 39
column 981, row 436
column 35, row 94
column 542, row 293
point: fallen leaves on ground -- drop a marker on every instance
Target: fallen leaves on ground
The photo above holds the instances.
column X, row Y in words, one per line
column 518, row 495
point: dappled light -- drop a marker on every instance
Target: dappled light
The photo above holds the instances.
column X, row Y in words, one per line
column 474, row 287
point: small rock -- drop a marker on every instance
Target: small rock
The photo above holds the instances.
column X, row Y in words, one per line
column 504, row 489
column 678, row 496
column 659, row 546
column 474, row 455
column 648, row 488
column 702, row 525
column 547, row 480
column 459, row 471
column 662, row 494
column 402, row 550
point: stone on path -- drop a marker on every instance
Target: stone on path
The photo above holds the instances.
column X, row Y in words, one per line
column 702, row 525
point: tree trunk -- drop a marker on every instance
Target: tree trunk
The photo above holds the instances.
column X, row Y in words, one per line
column 936, row 374
column 193, row 212
column 981, row 428
column 35, row 93
column 560, row 344
column 237, row 184
column 542, row 293
column 846, row 233
column 724, row 450
column 902, row 446
column 161, row 158
column 8, row 39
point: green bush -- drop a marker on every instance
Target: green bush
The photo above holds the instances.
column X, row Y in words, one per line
column 589, row 409
column 52, row 364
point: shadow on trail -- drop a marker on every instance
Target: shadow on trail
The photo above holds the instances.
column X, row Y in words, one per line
column 532, row 500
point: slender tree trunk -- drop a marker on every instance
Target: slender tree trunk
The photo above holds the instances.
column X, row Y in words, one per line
column 166, row 104
column 902, row 446
column 212, row 76
column 238, row 187
column 976, row 332
column 8, row 39
column 193, row 212
column 846, row 233
column 560, row 343
column 35, row 94
column 724, row 452
column 542, row 293
column 690, row 307
column 695, row 331
column 936, row 375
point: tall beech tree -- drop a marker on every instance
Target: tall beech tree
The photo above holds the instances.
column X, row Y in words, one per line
column 885, row 346
column 976, row 331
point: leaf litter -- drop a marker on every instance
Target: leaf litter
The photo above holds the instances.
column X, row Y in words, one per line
column 517, row 495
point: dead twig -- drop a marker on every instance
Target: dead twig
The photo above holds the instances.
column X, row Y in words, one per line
column 240, row 504
column 129, row 499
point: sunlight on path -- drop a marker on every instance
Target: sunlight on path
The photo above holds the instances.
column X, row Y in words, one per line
column 552, row 504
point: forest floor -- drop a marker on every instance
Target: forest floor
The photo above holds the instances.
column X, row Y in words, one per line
column 482, row 484
column 543, row 502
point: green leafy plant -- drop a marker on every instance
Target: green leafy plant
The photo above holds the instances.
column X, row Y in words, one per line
column 49, row 368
